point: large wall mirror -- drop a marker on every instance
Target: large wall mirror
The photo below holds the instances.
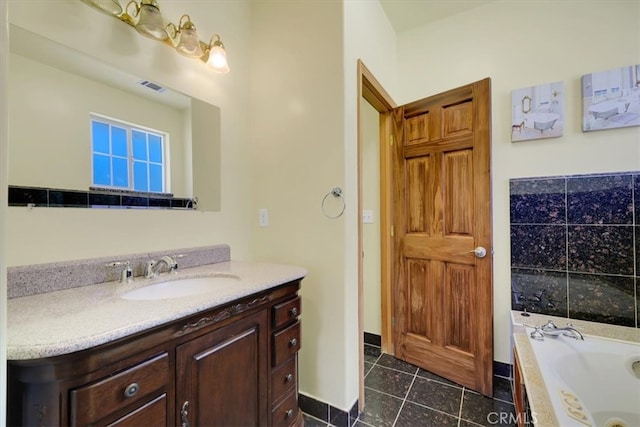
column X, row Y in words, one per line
column 53, row 93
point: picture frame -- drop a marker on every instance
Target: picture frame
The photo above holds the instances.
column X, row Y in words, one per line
column 537, row 112
column 611, row 99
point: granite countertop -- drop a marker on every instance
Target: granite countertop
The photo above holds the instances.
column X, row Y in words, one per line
column 539, row 400
column 65, row 321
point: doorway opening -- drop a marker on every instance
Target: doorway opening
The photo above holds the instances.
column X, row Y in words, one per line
column 371, row 95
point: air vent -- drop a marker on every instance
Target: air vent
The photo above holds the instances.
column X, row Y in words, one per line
column 151, row 85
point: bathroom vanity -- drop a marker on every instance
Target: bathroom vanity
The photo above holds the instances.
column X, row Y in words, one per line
column 231, row 361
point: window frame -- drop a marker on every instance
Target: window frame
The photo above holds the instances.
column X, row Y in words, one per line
column 129, row 128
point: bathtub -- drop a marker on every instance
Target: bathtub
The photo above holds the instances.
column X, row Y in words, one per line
column 590, row 382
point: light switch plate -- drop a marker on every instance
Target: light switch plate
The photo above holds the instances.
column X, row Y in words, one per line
column 367, row 216
column 263, row 217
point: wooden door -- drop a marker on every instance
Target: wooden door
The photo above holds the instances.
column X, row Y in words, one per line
column 443, row 312
column 222, row 376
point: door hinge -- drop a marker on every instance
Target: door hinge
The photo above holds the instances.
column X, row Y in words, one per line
column 391, row 140
column 393, row 231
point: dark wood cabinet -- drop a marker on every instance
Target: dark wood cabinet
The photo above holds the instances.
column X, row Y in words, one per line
column 233, row 365
column 520, row 400
column 222, row 376
column 285, row 344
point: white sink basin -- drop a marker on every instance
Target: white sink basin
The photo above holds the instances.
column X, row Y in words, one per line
column 180, row 288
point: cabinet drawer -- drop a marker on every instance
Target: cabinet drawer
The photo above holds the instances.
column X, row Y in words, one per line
column 95, row 401
column 153, row 413
column 283, row 378
column 286, row 312
column 286, row 343
column 285, row 413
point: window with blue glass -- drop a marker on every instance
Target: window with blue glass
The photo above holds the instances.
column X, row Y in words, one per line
column 127, row 157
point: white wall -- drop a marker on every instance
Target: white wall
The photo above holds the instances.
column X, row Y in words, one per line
column 521, row 44
column 371, row 276
column 49, row 235
column 304, row 144
column 4, row 179
column 297, row 158
column 368, row 36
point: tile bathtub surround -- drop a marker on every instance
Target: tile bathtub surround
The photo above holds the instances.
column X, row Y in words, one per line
column 42, row 278
column 575, row 246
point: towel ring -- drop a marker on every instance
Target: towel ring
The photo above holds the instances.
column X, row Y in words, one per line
column 336, row 193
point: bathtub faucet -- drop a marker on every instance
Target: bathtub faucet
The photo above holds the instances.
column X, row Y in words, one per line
column 550, row 329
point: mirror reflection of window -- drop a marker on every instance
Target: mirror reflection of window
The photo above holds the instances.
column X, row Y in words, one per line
column 127, row 157
column 62, row 87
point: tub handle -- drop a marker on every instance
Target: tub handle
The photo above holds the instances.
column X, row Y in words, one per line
column 537, row 334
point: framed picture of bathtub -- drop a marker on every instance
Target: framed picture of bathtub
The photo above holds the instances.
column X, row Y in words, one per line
column 537, row 112
column 611, row 99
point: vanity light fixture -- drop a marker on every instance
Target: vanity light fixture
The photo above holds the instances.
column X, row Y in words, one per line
column 148, row 21
column 188, row 43
column 217, row 58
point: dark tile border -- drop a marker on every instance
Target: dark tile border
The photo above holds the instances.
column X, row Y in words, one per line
column 372, row 339
column 43, row 197
column 327, row 413
column 502, row 369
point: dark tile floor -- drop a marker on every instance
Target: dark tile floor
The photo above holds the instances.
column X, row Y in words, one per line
column 398, row 394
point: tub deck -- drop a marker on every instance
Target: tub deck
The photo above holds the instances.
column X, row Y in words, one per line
column 545, row 415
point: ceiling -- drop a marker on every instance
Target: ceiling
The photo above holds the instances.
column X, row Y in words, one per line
column 407, row 14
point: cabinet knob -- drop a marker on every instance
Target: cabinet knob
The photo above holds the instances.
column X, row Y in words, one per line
column 293, row 342
column 131, row 390
column 293, row 311
column 289, row 413
column 288, row 378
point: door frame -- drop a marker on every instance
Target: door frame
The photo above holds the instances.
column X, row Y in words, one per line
column 372, row 91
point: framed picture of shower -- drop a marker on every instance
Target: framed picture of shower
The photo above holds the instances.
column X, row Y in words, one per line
column 611, row 99
column 537, row 112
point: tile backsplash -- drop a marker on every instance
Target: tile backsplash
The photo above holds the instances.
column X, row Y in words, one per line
column 575, row 246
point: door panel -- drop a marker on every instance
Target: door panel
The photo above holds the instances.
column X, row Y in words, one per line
column 457, row 300
column 458, row 205
column 441, row 212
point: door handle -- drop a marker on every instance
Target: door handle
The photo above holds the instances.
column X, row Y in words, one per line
column 479, row 252
column 184, row 414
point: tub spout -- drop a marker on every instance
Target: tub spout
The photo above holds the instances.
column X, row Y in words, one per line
column 550, row 329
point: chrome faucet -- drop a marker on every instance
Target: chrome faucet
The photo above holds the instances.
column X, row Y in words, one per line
column 550, row 329
column 153, row 267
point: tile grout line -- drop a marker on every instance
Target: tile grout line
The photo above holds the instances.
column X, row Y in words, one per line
column 460, row 410
column 405, row 397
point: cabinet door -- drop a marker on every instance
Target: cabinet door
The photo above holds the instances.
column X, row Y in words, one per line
column 223, row 375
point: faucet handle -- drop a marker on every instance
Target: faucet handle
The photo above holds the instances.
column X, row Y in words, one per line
column 537, row 334
column 126, row 276
column 549, row 325
column 148, row 270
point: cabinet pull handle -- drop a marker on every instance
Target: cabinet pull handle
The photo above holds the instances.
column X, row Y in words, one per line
column 289, row 413
column 131, row 390
column 184, row 414
column 293, row 342
column 288, row 378
column 293, row 312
